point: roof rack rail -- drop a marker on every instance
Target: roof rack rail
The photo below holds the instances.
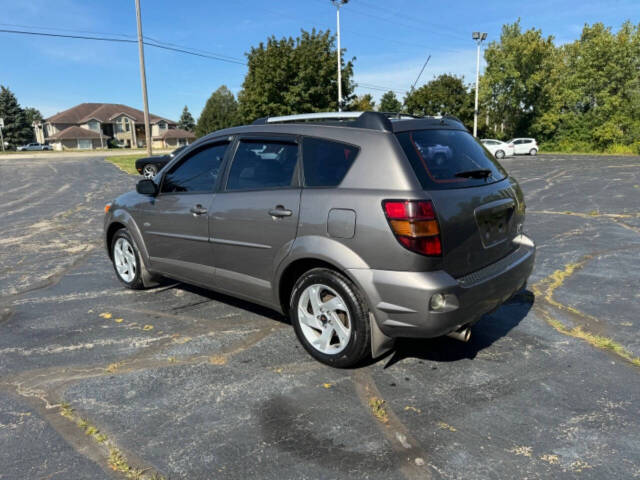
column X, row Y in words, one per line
column 369, row 120
column 400, row 115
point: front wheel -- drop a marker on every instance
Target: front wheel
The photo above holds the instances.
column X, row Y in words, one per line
column 150, row 171
column 330, row 318
column 533, row 152
column 499, row 154
column 126, row 260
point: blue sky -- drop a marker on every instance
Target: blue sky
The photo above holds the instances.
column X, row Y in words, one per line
column 390, row 39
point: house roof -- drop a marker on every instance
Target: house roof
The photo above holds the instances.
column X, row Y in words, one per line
column 75, row 132
column 176, row 133
column 102, row 112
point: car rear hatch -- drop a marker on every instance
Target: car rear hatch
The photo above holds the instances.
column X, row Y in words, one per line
column 479, row 208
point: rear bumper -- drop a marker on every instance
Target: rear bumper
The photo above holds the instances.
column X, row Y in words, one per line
column 400, row 300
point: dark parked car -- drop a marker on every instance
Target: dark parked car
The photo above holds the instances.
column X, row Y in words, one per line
column 150, row 166
column 34, row 146
column 361, row 228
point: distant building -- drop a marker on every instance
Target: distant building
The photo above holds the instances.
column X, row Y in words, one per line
column 92, row 125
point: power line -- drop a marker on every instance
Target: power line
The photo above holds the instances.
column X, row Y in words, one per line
column 74, row 30
column 212, row 56
column 357, row 11
column 61, row 35
column 433, row 27
column 345, row 30
column 168, row 46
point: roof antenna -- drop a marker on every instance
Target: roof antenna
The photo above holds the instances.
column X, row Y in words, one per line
column 420, row 74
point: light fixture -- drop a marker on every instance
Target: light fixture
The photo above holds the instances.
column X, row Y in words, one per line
column 437, row 302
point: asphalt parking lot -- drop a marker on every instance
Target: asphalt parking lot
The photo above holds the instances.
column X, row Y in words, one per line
column 101, row 382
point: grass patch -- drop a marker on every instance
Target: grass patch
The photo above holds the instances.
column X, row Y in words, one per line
column 116, row 459
column 126, row 163
column 598, row 341
column 378, row 409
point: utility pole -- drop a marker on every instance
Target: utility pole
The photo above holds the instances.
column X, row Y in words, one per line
column 338, row 4
column 143, row 79
column 1, row 136
column 479, row 37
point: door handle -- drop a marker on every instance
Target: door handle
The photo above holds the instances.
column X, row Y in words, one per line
column 280, row 211
column 198, row 210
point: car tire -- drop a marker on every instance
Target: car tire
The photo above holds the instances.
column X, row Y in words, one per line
column 330, row 318
column 533, row 152
column 126, row 260
column 149, row 171
column 499, row 154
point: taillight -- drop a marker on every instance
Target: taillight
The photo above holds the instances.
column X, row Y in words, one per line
column 414, row 224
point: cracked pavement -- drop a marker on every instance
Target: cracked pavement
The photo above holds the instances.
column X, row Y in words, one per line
column 188, row 383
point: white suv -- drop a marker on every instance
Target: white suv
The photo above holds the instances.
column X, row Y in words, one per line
column 524, row 146
column 499, row 148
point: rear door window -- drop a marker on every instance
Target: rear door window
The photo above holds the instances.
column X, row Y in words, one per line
column 259, row 165
column 442, row 159
column 326, row 162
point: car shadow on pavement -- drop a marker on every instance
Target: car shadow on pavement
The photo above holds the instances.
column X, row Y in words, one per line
column 488, row 330
column 233, row 302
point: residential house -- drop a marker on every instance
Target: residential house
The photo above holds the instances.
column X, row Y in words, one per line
column 93, row 125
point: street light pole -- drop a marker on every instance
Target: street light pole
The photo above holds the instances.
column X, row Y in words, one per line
column 338, row 4
column 143, row 79
column 479, row 37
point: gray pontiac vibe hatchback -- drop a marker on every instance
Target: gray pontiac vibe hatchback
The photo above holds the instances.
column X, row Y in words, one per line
column 362, row 227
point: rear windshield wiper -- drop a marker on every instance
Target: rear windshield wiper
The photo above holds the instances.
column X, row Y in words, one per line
column 480, row 173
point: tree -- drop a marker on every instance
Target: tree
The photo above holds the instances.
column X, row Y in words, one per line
column 363, row 103
column 186, row 121
column 220, row 111
column 446, row 95
column 33, row 115
column 390, row 103
column 17, row 130
column 289, row 76
column 595, row 90
column 518, row 69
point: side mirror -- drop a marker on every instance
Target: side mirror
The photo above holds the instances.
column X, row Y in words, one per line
column 147, row 187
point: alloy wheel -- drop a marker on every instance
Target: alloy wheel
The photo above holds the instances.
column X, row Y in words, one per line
column 324, row 319
column 124, row 258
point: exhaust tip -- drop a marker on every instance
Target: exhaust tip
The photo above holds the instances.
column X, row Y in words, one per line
column 462, row 334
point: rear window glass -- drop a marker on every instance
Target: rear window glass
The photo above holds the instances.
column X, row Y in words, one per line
column 326, row 162
column 262, row 165
column 439, row 157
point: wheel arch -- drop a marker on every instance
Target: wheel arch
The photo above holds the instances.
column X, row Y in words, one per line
column 313, row 252
column 122, row 219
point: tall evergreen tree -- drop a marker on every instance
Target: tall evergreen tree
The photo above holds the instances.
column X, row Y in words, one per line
column 186, row 121
column 17, row 130
column 390, row 103
column 220, row 111
column 33, row 115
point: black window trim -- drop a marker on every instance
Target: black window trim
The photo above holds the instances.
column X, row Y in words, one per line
column 257, row 137
column 303, row 180
column 185, row 154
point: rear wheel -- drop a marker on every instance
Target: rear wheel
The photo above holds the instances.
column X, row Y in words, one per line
column 150, row 171
column 126, row 260
column 533, row 152
column 330, row 318
column 499, row 154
